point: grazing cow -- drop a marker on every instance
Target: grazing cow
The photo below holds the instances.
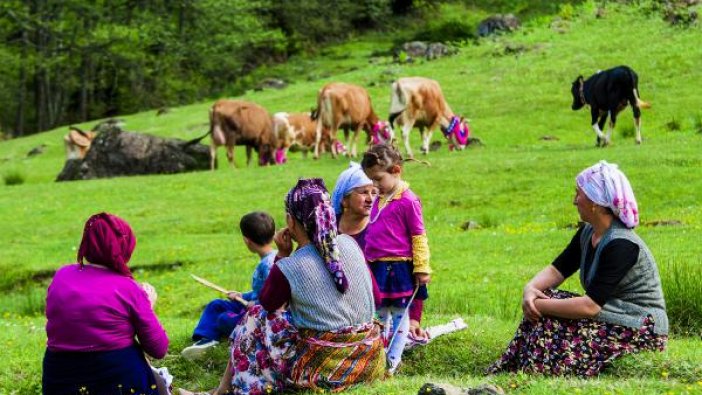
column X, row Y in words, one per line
column 418, row 101
column 297, row 131
column 607, row 93
column 77, row 142
column 349, row 107
column 238, row 122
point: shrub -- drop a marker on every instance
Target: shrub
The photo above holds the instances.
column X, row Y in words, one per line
column 13, row 177
column 673, row 125
column 682, row 287
column 627, row 131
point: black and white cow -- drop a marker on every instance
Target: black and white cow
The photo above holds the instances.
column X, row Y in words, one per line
column 607, row 93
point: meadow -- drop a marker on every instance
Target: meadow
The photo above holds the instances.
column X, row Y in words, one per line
column 518, row 187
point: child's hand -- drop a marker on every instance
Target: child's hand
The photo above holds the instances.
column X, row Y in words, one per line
column 422, row 278
column 234, row 296
column 283, row 241
column 417, row 331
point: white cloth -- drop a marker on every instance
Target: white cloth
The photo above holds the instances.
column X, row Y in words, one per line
column 607, row 186
column 351, row 178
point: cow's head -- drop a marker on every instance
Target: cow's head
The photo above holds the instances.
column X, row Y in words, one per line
column 578, row 94
column 457, row 133
column 382, row 133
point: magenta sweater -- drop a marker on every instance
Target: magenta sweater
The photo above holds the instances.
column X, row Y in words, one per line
column 97, row 309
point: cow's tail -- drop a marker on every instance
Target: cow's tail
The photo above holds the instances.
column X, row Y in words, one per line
column 325, row 111
column 635, row 84
column 209, row 132
column 640, row 103
column 398, row 103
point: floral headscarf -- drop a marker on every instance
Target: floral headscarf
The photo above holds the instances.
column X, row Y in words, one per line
column 607, row 186
column 351, row 178
column 108, row 241
column 308, row 202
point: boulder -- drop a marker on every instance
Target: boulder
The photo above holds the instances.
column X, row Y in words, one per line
column 498, row 23
column 115, row 152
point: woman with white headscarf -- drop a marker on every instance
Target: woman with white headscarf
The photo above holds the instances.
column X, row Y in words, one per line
column 623, row 309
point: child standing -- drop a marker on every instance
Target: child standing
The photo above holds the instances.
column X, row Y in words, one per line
column 221, row 315
column 396, row 248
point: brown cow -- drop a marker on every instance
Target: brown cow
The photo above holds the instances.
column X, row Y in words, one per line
column 349, row 107
column 238, row 122
column 77, row 142
column 418, row 101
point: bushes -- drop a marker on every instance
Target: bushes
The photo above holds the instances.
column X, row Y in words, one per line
column 682, row 287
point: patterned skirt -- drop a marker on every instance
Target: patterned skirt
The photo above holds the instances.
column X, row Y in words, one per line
column 334, row 361
column 584, row 347
column 269, row 355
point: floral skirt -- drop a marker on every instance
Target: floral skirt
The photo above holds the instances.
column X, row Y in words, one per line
column 270, row 355
column 263, row 345
column 583, row 347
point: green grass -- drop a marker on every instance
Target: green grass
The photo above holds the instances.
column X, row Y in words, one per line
column 517, row 187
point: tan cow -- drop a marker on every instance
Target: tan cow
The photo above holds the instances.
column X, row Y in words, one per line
column 77, row 142
column 297, row 132
column 349, row 107
column 238, row 122
column 418, row 101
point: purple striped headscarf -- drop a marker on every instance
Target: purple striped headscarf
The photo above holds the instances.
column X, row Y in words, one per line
column 309, row 203
column 607, row 186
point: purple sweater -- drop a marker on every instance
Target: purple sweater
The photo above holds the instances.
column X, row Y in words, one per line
column 96, row 309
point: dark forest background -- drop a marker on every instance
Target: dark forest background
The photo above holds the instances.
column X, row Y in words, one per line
column 69, row 61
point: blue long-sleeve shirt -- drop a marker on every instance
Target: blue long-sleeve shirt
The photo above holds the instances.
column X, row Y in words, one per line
column 259, row 277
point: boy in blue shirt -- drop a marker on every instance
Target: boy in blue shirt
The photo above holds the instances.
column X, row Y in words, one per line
column 221, row 315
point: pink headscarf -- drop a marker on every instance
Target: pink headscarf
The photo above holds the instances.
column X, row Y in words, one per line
column 607, row 186
column 108, row 241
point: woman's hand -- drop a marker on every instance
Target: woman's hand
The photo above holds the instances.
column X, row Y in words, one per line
column 283, row 242
column 529, row 309
column 422, row 278
column 417, row 331
column 150, row 293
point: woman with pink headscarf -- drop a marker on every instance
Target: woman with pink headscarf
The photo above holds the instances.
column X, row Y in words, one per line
column 100, row 322
column 623, row 309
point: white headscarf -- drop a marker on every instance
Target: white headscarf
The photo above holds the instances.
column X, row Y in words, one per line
column 351, row 178
column 607, row 186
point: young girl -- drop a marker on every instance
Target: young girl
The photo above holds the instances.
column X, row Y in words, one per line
column 396, row 245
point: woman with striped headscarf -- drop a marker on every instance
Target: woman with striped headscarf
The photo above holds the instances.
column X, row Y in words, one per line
column 326, row 340
column 623, row 309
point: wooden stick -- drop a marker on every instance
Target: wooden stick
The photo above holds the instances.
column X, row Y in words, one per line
column 218, row 288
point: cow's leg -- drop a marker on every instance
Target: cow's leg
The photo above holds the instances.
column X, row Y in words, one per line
column 213, row 156
column 424, row 148
column 248, row 155
column 230, row 155
column 354, row 141
column 612, row 122
column 427, row 140
column 406, row 129
column 597, row 125
column 637, row 124
column 317, row 138
column 637, row 121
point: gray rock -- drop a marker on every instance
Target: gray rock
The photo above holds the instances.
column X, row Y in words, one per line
column 498, row 23
column 115, row 152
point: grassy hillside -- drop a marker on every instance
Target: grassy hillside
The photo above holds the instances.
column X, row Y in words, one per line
column 518, row 187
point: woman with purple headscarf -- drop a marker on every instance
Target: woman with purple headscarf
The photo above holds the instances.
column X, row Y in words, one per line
column 326, row 340
column 623, row 309
column 100, row 322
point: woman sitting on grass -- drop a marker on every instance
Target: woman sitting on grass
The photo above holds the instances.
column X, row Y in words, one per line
column 622, row 311
column 94, row 310
column 326, row 340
